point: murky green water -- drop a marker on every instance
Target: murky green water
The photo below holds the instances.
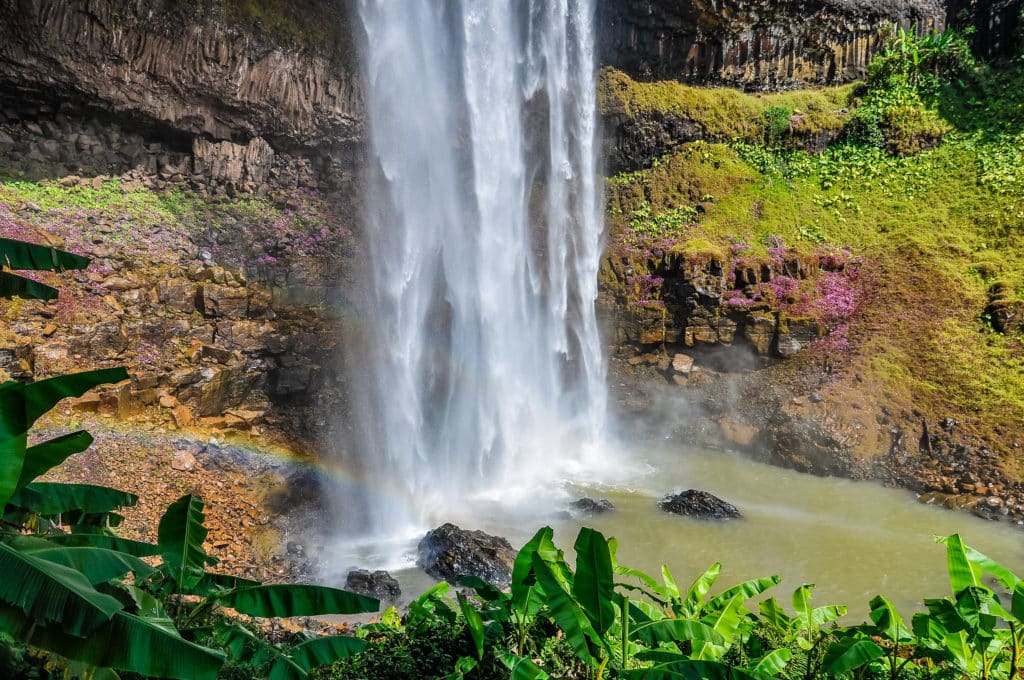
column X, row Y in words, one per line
column 852, row 539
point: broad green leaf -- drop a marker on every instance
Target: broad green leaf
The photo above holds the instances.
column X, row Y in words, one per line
column 12, row 285
column 822, row 615
column 96, row 564
column 745, row 590
column 1017, row 602
column 213, row 584
column 522, row 569
column 484, row 590
column 850, row 653
column 962, row 574
column 688, row 670
column 125, row 642
column 474, row 623
column 771, row 664
column 54, row 498
column 43, row 395
column 180, row 536
column 522, row 669
column 773, row 613
column 725, row 622
column 566, row 612
column 593, row 586
column 49, row 593
column 29, row 256
column 671, row 587
column 1006, row 577
column 286, row 600
column 464, row 665
column 887, row 620
column 801, row 600
column 675, row 630
column 323, row 651
column 700, row 588
column 49, row 454
column 122, row 545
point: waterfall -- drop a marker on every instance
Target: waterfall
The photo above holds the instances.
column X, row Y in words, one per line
column 484, row 225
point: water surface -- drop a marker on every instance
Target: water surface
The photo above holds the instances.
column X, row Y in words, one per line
column 852, row 539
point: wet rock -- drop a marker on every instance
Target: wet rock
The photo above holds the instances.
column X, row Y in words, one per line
column 797, row 334
column 682, row 363
column 592, row 506
column 699, row 504
column 449, row 552
column 378, row 584
column 183, row 461
column 760, row 331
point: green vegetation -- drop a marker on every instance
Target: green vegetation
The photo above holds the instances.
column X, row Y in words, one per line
column 605, row 620
column 724, row 113
column 163, row 226
column 923, row 191
column 75, row 589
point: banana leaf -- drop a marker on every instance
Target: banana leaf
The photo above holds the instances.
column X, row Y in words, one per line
column 675, row 630
column 1006, row 577
column 96, row 564
column 688, row 670
column 22, row 404
column 126, row 642
column 286, row 600
column 771, row 664
column 566, row 612
column 53, row 498
column 22, row 255
column 850, row 653
column 745, row 590
column 594, row 586
column 12, row 285
column 888, row 622
column 180, row 536
column 121, row 545
column 324, row 651
column 474, row 623
column 521, row 668
column 49, row 593
column 49, row 454
column 962, row 574
column 699, row 589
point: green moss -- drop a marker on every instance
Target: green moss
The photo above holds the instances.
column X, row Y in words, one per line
column 307, row 23
column 935, row 230
column 725, row 113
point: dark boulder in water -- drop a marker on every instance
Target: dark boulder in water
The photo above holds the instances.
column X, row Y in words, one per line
column 449, row 552
column 592, row 506
column 378, row 584
column 699, row 504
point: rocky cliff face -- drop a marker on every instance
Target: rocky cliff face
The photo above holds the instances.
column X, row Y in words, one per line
column 755, row 44
column 195, row 90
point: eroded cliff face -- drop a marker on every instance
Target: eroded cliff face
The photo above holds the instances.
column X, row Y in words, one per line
column 754, row 44
column 191, row 86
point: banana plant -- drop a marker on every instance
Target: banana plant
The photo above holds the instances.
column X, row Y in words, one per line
column 19, row 255
column 857, row 646
column 971, row 630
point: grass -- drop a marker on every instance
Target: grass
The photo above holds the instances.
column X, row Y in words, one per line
column 938, row 229
column 166, row 226
column 724, row 113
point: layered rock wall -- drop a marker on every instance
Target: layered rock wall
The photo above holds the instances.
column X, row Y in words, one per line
column 754, row 44
column 191, row 90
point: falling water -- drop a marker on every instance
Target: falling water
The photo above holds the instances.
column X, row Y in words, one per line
column 485, row 226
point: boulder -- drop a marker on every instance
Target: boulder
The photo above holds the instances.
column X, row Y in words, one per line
column 378, row 584
column 449, row 552
column 592, row 506
column 699, row 504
